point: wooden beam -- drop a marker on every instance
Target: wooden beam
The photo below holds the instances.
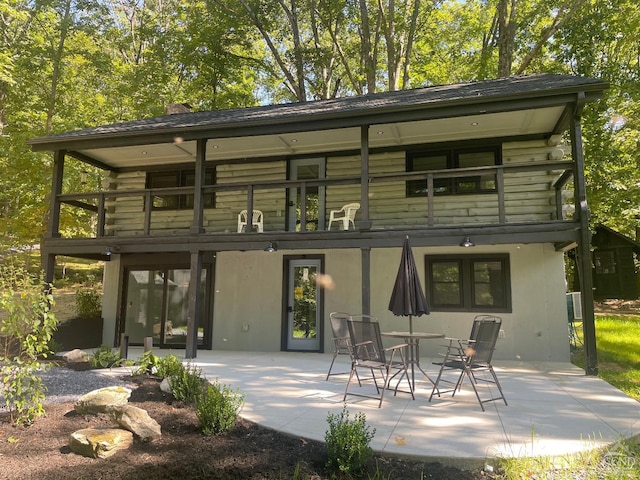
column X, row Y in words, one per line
column 584, row 246
column 198, row 182
column 53, row 230
column 195, row 307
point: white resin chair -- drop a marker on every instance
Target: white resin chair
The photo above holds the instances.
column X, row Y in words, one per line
column 346, row 215
column 256, row 221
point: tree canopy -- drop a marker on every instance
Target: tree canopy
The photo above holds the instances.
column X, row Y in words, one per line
column 69, row 64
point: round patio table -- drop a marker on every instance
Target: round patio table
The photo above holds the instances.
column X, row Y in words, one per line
column 413, row 340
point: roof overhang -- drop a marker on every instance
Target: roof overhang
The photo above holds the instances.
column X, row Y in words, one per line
column 529, row 106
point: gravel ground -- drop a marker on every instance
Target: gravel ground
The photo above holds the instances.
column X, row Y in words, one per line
column 66, row 385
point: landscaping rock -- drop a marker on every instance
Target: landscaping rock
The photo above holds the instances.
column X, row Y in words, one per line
column 136, row 420
column 100, row 442
column 97, row 401
column 165, row 385
column 76, row 356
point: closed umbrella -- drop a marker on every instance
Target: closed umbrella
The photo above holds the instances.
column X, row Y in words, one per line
column 407, row 298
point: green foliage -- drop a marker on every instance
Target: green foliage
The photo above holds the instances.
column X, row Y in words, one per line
column 348, row 442
column 106, row 357
column 618, row 355
column 217, row 408
column 169, row 366
column 88, row 303
column 147, row 364
column 187, row 384
column 26, row 328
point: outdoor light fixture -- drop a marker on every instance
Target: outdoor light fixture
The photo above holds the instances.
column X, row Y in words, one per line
column 272, row 247
column 467, row 243
column 110, row 250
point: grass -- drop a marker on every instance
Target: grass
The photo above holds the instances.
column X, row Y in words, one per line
column 617, row 338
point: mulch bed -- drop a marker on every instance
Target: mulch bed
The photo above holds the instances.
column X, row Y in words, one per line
column 248, row 452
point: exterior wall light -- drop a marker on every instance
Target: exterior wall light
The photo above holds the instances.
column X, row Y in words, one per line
column 272, row 247
column 467, row 243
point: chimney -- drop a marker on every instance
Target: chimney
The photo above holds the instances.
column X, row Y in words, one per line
column 174, row 108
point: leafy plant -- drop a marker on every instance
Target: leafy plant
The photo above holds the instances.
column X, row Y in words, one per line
column 217, row 408
column 26, row 328
column 106, row 357
column 88, row 303
column 187, row 384
column 169, row 366
column 348, row 442
column 147, row 364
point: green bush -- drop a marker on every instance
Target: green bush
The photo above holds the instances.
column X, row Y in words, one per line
column 169, row 366
column 106, row 357
column 147, row 364
column 187, row 384
column 347, row 442
column 217, row 408
column 26, row 328
column 88, row 303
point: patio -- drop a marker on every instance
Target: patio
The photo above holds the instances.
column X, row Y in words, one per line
column 554, row 409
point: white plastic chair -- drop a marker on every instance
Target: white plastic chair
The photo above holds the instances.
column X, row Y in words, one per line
column 256, row 221
column 346, row 215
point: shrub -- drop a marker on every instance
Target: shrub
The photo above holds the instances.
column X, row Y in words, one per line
column 348, row 442
column 105, row 357
column 217, row 408
column 88, row 303
column 187, row 384
column 147, row 364
column 169, row 366
column 26, row 328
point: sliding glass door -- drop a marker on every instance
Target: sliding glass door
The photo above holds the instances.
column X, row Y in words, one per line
column 156, row 304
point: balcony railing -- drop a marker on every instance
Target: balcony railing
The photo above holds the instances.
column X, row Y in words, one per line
column 524, row 192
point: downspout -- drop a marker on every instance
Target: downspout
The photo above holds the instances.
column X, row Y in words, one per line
column 584, row 242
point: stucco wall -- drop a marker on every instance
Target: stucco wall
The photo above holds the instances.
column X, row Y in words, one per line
column 535, row 330
column 110, row 283
column 248, row 293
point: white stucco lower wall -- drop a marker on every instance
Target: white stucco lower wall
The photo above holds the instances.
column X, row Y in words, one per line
column 110, row 284
column 247, row 310
column 536, row 329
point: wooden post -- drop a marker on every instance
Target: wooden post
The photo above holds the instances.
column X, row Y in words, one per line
column 584, row 244
column 198, row 203
column 193, row 320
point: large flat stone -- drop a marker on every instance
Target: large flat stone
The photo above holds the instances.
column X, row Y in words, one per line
column 100, row 442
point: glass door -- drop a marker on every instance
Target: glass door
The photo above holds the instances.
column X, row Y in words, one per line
column 306, row 169
column 157, row 305
column 303, row 302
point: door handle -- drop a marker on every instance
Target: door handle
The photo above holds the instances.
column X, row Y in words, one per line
column 289, row 309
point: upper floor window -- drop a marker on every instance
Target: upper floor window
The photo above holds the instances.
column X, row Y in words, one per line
column 469, row 282
column 453, row 158
column 179, row 178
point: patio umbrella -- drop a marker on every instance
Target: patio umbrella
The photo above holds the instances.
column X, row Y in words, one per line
column 407, row 298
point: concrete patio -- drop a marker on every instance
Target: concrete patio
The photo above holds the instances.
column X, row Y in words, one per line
column 554, row 409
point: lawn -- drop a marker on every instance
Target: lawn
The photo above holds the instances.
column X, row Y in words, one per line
column 618, row 349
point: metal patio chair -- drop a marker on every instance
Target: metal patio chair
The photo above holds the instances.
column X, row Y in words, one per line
column 470, row 357
column 346, row 216
column 341, row 340
column 369, row 352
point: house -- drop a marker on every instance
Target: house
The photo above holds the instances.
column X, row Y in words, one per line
column 475, row 174
column 614, row 265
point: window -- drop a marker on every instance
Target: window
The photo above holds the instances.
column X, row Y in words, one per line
column 448, row 159
column 605, row 262
column 179, row 178
column 469, row 282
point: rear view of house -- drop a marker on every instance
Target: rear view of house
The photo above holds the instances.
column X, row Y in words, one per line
column 242, row 229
